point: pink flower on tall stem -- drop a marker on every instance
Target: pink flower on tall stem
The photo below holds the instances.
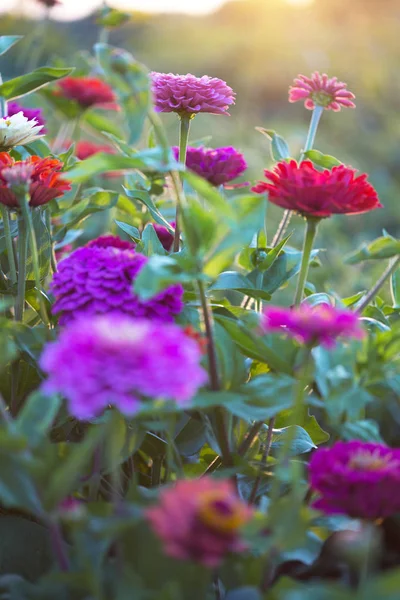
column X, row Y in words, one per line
column 200, row 520
column 312, row 193
column 313, row 325
column 116, row 360
column 320, row 90
column 189, row 95
column 217, row 165
column 356, row 478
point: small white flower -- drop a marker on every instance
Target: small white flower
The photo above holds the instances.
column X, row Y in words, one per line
column 17, row 130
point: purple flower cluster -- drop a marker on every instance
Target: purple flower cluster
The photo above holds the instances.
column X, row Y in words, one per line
column 98, row 278
column 357, row 478
column 120, row 361
column 217, row 165
column 13, row 108
column 190, row 95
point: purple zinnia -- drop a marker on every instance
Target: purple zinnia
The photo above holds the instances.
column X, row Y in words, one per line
column 14, row 108
column 164, row 235
column 217, row 165
column 120, row 361
column 98, row 278
column 189, row 95
column 357, row 478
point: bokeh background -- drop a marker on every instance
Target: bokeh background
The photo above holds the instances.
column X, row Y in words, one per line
column 258, row 47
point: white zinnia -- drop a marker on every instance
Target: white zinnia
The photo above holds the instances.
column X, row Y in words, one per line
column 17, row 131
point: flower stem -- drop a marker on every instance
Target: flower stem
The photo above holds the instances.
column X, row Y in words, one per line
column 311, row 230
column 49, row 228
column 22, row 256
column 58, row 545
column 9, row 244
column 312, row 131
column 183, row 144
column 264, row 460
column 393, row 265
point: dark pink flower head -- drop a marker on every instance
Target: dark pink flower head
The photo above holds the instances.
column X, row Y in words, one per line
column 190, row 95
column 97, row 279
column 164, row 235
column 312, row 193
column 200, row 520
column 116, row 360
column 217, row 165
column 357, row 478
column 320, row 90
column 319, row 324
column 87, row 91
column 110, row 241
column 13, row 108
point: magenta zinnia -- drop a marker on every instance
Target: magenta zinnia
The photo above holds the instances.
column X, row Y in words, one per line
column 98, row 278
column 320, row 90
column 13, row 108
column 200, row 520
column 319, row 324
column 164, row 235
column 217, row 165
column 312, row 193
column 356, row 478
column 190, row 95
column 120, row 361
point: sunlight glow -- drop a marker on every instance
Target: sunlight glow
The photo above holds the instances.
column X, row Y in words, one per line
column 300, row 3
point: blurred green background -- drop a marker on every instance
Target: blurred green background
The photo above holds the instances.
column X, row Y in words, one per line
column 258, row 47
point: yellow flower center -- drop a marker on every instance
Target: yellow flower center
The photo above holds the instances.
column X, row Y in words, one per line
column 8, row 122
column 220, row 512
column 371, row 461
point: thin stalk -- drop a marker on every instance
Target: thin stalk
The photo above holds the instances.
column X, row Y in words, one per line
column 183, row 143
column 49, row 228
column 264, row 460
column 3, row 103
column 9, row 244
column 58, row 545
column 375, row 289
column 22, row 256
column 27, row 217
column 312, row 131
column 311, row 231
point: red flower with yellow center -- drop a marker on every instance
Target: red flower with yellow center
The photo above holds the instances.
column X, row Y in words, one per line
column 44, row 178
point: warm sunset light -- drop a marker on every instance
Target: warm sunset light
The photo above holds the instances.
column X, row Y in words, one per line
column 300, row 3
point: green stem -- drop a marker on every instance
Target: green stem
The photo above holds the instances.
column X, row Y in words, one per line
column 311, row 230
column 27, row 217
column 22, row 257
column 49, row 228
column 9, row 244
column 3, row 103
column 264, row 460
column 183, row 144
column 312, row 131
column 393, row 265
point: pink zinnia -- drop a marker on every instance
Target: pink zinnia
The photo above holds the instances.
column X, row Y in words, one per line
column 356, row 478
column 85, row 149
column 218, row 165
column 314, row 325
column 123, row 362
column 200, row 520
column 312, row 193
column 320, row 90
column 189, row 95
column 98, row 278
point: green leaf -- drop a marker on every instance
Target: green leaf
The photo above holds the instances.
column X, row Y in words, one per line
column 279, row 147
column 208, row 192
column 150, row 244
column 383, row 247
column 395, row 288
column 112, row 17
column 158, row 273
column 365, row 430
column 102, row 124
column 144, row 197
column 37, row 416
column 301, row 441
column 26, row 84
column 322, row 160
column 17, row 489
column 8, row 41
column 231, row 280
column 43, row 240
column 133, row 232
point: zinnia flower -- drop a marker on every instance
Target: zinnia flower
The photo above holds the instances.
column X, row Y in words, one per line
column 50, row 3
column 13, row 108
column 314, row 193
column 43, row 175
column 111, row 241
column 98, row 278
column 356, row 478
column 120, row 361
column 200, row 520
column 320, row 90
column 318, row 324
column 190, row 95
column 217, row 165
column 87, row 91
column 164, row 235
column 85, row 149
column 18, row 130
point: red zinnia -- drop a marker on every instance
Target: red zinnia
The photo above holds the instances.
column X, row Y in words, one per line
column 314, row 193
column 88, row 91
column 320, row 90
column 44, row 176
